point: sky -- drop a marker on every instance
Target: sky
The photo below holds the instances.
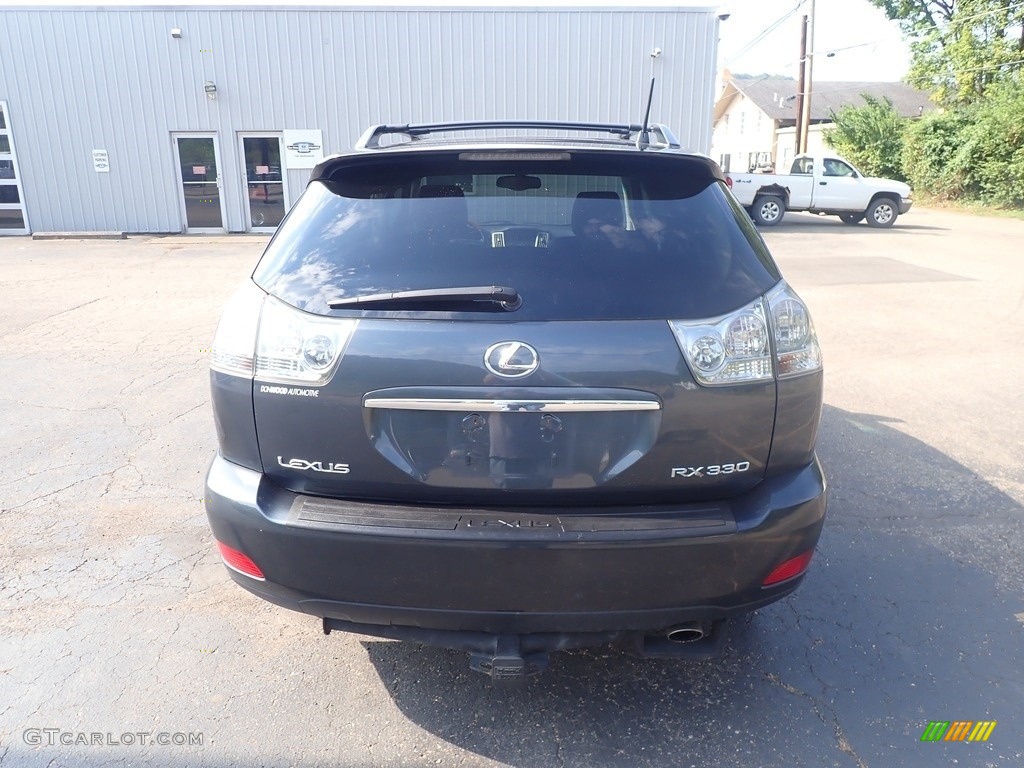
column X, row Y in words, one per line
column 872, row 45
column 880, row 53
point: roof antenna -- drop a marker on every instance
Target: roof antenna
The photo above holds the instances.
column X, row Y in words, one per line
column 643, row 140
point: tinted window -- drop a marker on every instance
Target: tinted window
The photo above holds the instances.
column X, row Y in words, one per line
column 583, row 236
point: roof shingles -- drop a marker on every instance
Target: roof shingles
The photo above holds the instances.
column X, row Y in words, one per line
column 776, row 96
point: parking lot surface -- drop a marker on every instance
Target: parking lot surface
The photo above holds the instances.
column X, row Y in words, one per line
column 119, row 628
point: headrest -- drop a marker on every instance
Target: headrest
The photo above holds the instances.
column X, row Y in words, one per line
column 605, row 207
column 440, row 209
column 440, row 190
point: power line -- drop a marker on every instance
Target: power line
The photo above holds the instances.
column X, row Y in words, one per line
column 1007, row 8
column 852, row 87
column 768, row 30
column 850, row 47
column 762, row 78
column 859, row 85
column 993, row 65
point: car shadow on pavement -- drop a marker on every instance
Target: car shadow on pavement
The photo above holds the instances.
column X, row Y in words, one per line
column 906, row 616
column 813, row 223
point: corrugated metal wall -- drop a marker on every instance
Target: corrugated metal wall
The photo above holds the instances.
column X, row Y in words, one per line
column 80, row 79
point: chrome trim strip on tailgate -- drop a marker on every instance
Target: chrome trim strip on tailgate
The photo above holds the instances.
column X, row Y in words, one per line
column 509, row 406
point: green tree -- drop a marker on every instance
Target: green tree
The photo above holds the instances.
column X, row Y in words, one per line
column 871, row 136
column 973, row 152
column 960, row 48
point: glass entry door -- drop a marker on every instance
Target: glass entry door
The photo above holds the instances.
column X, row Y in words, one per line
column 200, row 183
column 264, row 181
column 12, row 205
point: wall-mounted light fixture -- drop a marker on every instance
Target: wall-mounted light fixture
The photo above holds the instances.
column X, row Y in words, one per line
column 211, row 90
column 176, row 33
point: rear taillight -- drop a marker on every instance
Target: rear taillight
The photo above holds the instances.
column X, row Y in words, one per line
column 738, row 347
column 796, row 344
column 728, row 181
column 295, row 347
column 234, row 345
column 262, row 337
column 729, row 349
column 238, row 561
column 790, row 569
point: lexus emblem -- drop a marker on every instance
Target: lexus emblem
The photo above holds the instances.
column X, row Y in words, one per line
column 511, row 359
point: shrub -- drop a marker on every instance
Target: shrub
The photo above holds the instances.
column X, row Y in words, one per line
column 871, row 136
column 974, row 153
column 991, row 151
column 930, row 152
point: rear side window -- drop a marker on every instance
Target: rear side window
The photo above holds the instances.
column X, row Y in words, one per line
column 579, row 236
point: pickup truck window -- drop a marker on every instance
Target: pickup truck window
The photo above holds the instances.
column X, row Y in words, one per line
column 838, row 168
column 803, row 165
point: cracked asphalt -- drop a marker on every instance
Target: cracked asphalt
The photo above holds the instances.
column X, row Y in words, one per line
column 117, row 618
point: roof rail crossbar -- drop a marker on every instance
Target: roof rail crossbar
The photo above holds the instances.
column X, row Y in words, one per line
column 371, row 138
column 666, row 136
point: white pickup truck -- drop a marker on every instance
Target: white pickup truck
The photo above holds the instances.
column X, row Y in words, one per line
column 824, row 184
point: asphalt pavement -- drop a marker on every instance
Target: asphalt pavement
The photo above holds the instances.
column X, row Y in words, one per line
column 124, row 643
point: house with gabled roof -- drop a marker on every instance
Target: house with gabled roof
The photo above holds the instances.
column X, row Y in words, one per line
column 755, row 116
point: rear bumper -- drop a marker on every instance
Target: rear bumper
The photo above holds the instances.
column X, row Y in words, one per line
column 515, row 571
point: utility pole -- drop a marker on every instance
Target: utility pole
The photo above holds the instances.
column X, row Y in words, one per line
column 799, row 132
column 809, row 80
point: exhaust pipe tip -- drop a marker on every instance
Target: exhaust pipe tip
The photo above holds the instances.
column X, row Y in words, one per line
column 690, row 632
column 692, row 640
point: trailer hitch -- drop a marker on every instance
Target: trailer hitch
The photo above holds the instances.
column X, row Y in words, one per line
column 506, row 664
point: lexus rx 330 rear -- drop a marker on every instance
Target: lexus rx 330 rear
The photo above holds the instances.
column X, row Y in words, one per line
column 516, row 395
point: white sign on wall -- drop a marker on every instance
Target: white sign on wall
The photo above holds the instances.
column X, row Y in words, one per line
column 100, row 161
column 303, row 148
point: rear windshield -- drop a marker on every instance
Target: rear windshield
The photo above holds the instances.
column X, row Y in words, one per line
column 578, row 236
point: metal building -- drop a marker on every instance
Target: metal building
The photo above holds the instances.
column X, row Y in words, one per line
column 193, row 119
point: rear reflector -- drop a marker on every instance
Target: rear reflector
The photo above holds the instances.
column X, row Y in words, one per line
column 789, row 569
column 236, row 561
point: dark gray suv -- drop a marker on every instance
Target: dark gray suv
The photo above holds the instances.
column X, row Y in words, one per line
column 539, row 389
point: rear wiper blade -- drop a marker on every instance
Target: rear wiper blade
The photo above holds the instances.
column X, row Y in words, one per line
column 508, row 298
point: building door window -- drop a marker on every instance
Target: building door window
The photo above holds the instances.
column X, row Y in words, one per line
column 199, row 175
column 13, row 220
column 265, row 186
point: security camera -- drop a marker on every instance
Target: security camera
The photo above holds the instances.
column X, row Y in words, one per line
column 724, row 16
column 656, row 53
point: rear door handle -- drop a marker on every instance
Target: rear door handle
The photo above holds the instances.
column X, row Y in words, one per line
column 823, row 183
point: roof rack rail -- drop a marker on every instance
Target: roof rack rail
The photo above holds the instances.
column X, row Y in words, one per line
column 371, row 137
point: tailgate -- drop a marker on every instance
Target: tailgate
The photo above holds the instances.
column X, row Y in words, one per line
column 609, row 415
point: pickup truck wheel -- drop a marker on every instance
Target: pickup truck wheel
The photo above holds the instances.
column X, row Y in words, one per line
column 768, row 210
column 851, row 218
column 882, row 212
